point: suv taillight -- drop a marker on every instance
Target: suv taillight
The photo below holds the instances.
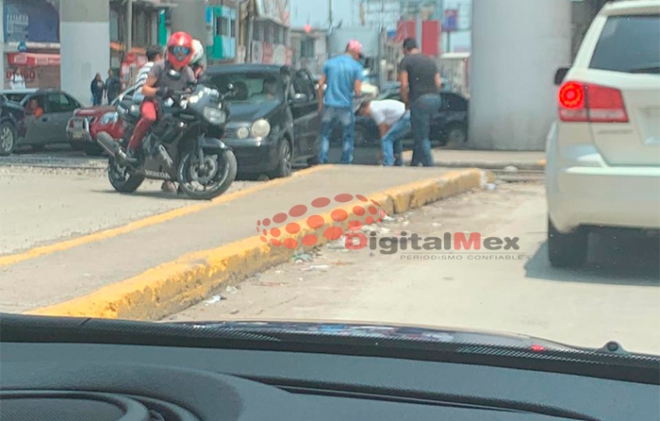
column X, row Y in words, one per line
column 586, row 102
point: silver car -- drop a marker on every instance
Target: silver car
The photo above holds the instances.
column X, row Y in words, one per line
column 49, row 128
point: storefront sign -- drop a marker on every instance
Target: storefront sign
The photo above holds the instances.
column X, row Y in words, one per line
column 279, row 54
column 267, row 53
column 34, row 21
column 29, row 59
column 28, row 74
column 257, row 52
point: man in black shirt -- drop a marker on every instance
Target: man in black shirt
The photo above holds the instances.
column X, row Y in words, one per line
column 420, row 87
column 112, row 86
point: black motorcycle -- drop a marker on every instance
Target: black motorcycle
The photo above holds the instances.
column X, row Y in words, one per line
column 183, row 145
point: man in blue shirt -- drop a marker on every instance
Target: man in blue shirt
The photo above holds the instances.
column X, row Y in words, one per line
column 343, row 76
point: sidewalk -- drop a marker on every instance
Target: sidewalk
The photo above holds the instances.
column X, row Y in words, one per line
column 490, row 160
column 156, row 250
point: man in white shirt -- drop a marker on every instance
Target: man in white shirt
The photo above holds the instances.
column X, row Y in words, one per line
column 154, row 54
column 393, row 122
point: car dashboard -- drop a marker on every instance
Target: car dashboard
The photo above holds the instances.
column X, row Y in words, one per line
column 196, row 380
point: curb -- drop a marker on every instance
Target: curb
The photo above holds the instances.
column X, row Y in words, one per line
column 525, row 166
column 486, row 165
column 177, row 285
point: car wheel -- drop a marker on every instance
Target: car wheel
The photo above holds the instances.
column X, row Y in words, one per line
column 567, row 250
column 362, row 136
column 456, row 136
column 284, row 160
column 8, row 137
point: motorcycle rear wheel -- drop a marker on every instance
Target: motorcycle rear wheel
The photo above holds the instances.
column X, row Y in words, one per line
column 222, row 166
column 122, row 179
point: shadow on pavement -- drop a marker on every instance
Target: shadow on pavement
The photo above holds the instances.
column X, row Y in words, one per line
column 152, row 194
column 621, row 261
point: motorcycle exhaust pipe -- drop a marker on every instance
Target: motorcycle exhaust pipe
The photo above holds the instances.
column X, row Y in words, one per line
column 107, row 143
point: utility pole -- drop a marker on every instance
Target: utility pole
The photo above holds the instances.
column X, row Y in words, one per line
column 129, row 26
column 2, row 43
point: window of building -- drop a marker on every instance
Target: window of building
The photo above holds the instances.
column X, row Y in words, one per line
column 114, row 25
column 259, row 31
column 222, row 26
column 141, row 28
column 307, row 48
column 269, row 36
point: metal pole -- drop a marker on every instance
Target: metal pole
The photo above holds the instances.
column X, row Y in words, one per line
column 129, row 26
column 2, row 43
column 330, row 14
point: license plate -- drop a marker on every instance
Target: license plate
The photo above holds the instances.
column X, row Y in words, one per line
column 77, row 134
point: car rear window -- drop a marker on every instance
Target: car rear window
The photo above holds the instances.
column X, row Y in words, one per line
column 629, row 44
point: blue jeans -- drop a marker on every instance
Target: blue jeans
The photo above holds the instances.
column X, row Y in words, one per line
column 346, row 118
column 421, row 111
column 393, row 142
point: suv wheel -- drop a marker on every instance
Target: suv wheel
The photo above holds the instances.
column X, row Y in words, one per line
column 567, row 250
column 8, row 137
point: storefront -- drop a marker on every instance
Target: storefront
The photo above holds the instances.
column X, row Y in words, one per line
column 31, row 34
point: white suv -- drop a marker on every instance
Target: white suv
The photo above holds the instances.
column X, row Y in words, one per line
column 603, row 153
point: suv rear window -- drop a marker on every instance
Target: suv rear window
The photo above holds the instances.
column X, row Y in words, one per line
column 629, row 44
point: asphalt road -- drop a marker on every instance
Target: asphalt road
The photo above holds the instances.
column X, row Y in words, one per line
column 48, row 204
column 615, row 297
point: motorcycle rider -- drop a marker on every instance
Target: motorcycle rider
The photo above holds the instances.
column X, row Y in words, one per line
column 161, row 83
column 197, row 61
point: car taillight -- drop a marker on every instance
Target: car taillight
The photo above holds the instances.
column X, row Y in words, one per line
column 586, row 102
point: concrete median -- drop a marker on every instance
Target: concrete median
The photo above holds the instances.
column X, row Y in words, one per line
column 173, row 286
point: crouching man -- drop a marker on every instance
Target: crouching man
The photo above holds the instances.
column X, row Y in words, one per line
column 394, row 125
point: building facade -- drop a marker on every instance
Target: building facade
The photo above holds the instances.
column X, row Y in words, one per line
column 267, row 32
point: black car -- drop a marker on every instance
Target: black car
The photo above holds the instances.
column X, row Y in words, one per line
column 274, row 119
column 12, row 125
column 449, row 124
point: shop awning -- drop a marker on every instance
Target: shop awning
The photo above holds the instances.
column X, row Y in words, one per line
column 33, row 59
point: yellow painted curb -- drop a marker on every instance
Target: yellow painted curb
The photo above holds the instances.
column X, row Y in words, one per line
column 177, row 285
column 12, row 259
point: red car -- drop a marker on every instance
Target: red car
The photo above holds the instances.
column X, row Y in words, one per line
column 88, row 122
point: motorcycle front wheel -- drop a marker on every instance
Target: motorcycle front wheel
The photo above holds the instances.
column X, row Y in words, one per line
column 122, row 178
column 208, row 179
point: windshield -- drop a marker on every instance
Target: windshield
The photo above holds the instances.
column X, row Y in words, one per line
column 629, row 44
column 16, row 97
column 253, row 87
column 495, row 171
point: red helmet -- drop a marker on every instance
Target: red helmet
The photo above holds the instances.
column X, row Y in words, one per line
column 180, row 49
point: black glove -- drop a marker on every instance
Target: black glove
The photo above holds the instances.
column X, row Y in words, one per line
column 165, row 92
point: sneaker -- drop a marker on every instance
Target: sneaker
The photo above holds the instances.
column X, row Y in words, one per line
column 168, row 186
